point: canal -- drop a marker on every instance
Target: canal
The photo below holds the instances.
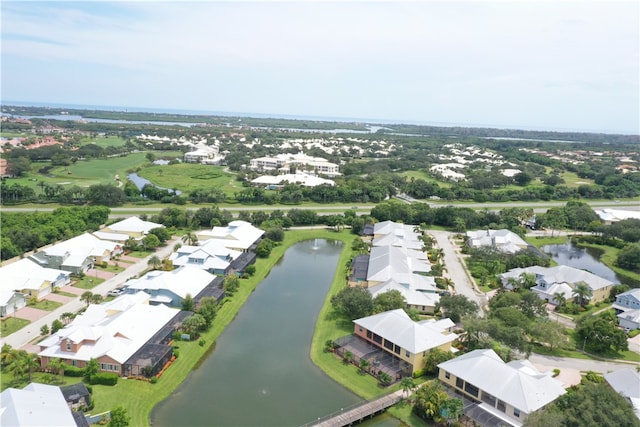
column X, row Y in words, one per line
column 260, row 373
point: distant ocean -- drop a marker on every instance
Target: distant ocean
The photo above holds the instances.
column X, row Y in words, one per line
column 287, row 116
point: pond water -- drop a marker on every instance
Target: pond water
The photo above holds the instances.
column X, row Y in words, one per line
column 141, row 182
column 582, row 258
column 260, row 373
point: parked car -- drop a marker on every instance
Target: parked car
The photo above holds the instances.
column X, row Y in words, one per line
column 115, row 292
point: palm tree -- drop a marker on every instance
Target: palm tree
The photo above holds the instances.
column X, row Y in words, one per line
column 582, row 292
column 190, row 238
column 408, row 385
column 560, row 299
column 364, row 365
column 32, row 362
column 96, row 299
column 86, row 297
column 155, row 262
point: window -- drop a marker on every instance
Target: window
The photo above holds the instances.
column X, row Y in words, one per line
column 369, row 334
column 377, row 338
column 103, row 366
column 68, row 345
column 74, row 362
column 487, row 398
column 388, row 345
column 116, row 368
column 447, row 375
column 459, row 383
column 360, row 328
column 471, row 389
column 406, row 353
column 516, row 413
column 501, row 406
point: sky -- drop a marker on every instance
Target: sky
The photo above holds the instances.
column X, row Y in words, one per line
column 545, row 65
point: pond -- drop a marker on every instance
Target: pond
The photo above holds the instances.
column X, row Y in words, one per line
column 141, row 182
column 582, row 258
column 260, row 373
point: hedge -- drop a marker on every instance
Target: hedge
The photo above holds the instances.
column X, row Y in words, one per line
column 104, row 378
column 73, row 371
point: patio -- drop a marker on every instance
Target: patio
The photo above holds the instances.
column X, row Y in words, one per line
column 380, row 360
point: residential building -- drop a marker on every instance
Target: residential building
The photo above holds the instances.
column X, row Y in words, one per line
column 76, row 395
column 391, row 262
column 35, row 405
column 129, row 227
column 171, row 287
column 562, row 279
column 626, row 382
column 404, row 339
column 238, row 235
column 78, row 254
column 304, row 179
column 206, row 154
column 510, row 391
column 389, row 233
column 627, row 306
column 289, row 163
column 114, row 333
column 610, row 216
column 423, row 302
column 211, row 256
column 503, row 240
column 24, row 278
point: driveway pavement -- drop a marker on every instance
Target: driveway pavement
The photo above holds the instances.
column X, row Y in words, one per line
column 58, row 298
column 39, row 317
column 456, row 270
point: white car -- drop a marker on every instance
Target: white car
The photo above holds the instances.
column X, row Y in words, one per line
column 115, row 292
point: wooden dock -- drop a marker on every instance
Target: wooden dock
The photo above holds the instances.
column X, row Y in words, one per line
column 358, row 413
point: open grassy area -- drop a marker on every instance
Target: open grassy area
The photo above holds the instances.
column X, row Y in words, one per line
column 190, row 176
column 105, row 141
column 46, row 305
column 573, row 180
column 9, row 380
column 111, row 268
column 140, row 254
column 421, row 174
column 64, row 294
column 11, row 324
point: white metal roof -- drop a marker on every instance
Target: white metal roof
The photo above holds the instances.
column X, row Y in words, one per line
column 411, row 297
column 517, row 383
column 27, row 274
column 35, row 405
column 397, row 327
column 181, row 281
column 133, row 224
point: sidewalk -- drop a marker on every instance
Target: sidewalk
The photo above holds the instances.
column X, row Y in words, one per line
column 22, row 337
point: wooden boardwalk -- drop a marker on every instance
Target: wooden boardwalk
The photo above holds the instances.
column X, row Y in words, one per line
column 358, row 413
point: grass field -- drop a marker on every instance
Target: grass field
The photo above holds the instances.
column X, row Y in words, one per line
column 11, row 324
column 189, row 176
column 45, row 304
column 88, row 282
column 105, row 141
column 420, row 174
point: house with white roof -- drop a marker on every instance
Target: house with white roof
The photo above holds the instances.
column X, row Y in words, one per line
column 389, row 233
column 561, row 279
column 387, row 262
column 78, row 254
column 404, row 339
column 504, row 240
column 626, row 381
column 627, row 306
column 610, row 216
column 238, row 235
column 24, row 278
column 112, row 333
column 171, row 287
column 129, row 227
column 287, row 162
column 206, row 154
column 35, row 405
column 510, row 391
column 424, row 302
column 211, row 256
column 304, row 179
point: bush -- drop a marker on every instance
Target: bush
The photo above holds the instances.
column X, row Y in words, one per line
column 104, row 378
column 154, row 379
column 176, row 353
column 419, row 373
column 202, row 342
column 73, row 371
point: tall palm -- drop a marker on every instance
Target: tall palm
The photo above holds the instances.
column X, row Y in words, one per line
column 32, row 363
column 408, row 385
column 155, row 262
column 560, row 299
column 582, row 292
column 190, row 238
column 86, row 297
column 57, row 366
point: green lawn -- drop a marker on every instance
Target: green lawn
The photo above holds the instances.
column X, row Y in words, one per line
column 88, row 282
column 105, row 141
column 111, row 268
column 140, row 254
column 573, row 180
column 45, row 304
column 189, row 176
column 12, row 324
column 65, row 294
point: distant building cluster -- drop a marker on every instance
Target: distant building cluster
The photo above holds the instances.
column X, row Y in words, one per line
column 289, row 162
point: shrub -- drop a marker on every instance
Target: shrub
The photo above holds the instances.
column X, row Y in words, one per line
column 73, row 371
column 419, row 373
column 556, row 372
column 104, row 378
column 202, row 342
column 176, row 353
column 154, row 379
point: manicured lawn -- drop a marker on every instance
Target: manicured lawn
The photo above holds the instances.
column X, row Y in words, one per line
column 573, row 180
column 105, row 141
column 188, row 176
column 140, row 254
column 88, row 282
column 539, row 242
column 112, row 268
column 12, row 324
column 8, row 380
column 45, row 304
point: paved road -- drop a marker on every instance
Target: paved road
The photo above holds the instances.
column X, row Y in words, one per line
column 32, row 330
column 602, row 367
column 456, row 270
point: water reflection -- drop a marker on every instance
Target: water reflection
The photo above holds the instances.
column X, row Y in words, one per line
column 582, row 258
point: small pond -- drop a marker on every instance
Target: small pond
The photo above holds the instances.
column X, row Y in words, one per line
column 141, row 182
column 582, row 258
